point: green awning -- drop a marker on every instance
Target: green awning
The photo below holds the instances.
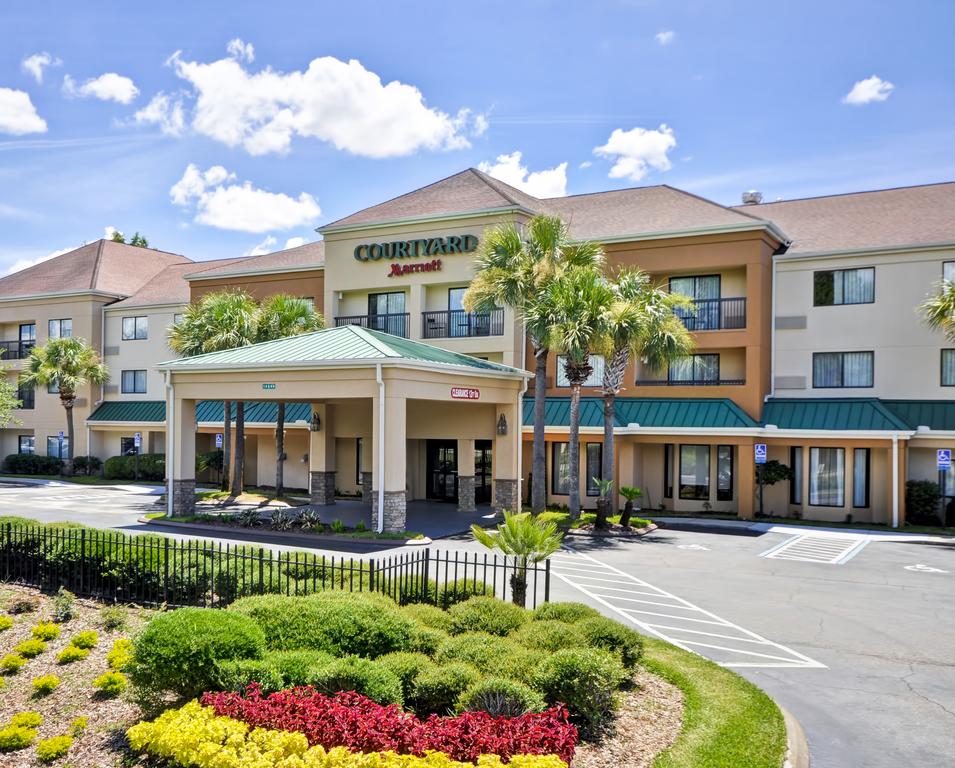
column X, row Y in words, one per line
column 837, row 414
column 140, row 412
column 934, row 414
column 655, row 412
column 154, row 411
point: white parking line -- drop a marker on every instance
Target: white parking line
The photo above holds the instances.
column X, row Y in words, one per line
column 817, row 548
column 735, row 646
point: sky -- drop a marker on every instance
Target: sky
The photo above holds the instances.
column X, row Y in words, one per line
column 218, row 129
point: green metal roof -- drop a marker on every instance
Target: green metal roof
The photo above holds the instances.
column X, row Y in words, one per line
column 141, row 411
column 657, row 412
column 934, row 414
column 347, row 343
column 154, row 411
column 839, row 413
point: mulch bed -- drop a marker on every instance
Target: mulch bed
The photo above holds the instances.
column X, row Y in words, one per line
column 615, row 530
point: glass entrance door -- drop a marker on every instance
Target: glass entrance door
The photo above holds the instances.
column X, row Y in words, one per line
column 442, row 468
column 482, row 472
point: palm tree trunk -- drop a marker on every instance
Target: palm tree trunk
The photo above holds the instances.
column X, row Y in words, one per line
column 68, row 465
column 226, row 443
column 606, row 460
column 239, row 466
column 539, row 467
column 573, row 453
column 280, row 448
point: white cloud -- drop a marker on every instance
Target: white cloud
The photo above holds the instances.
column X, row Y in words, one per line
column 551, row 182
column 107, row 87
column 266, row 246
column 224, row 204
column 166, row 112
column 666, row 37
column 20, row 264
column 241, row 51
column 585, row 164
column 17, row 113
column 295, row 242
column 636, row 151
column 335, row 101
column 866, row 91
column 35, row 64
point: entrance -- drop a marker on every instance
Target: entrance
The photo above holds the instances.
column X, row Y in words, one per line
column 442, row 468
column 482, row 472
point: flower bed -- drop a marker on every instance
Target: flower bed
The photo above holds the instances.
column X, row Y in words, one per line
column 358, row 723
column 196, row 737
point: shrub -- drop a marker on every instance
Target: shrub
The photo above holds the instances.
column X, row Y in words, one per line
column 23, row 605
column 120, row 654
column 353, row 673
column 110, row 683
column 178, row 651
column 87, row 465
column 566, row 612
column 112, row 617
column 11, row 663
column 438, row 689
column 87, row 639
column 561, row 519
column 281, row 520
column 71, row 653
column 921, row 502
column 15, row 737
column 549, row 635
column 501, row 697
column 406, row 667
column 45, row 684
column 30, row 648
column 5, row 623
column 64, row 606
column 429, row 615
column 238, row 674
column 152, row 466
column 585, row 679
column 454, row 592
column 31, row 464
column 487, row 614
column 488, row 653
column 78, row 727
column 296, row 667
column 45, row 631
column 27, row 720
column 53, row 748
column 611, row 635
column 426, row 640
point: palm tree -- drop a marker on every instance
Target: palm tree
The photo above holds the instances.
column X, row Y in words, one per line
column 217, row 321
column 68, row 364
column 575, row 307
column 642, row 323
column 524, row 538
column 513, row 267
column 280, row 316
column 938, row 309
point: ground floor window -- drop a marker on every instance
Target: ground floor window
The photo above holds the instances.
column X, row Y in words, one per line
column 827, row 477
column 668, row 471
column 724, row 473
column 695, row 472
column 27, row 444
column 860, row 477
column 560, row 469
column 594, row 467
column 127, row 446
column 58, row 448
column 795, row 483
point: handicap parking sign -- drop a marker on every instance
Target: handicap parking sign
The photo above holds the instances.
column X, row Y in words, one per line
column 138, row 439
column 219, row 440
column 759, row 451
column 944, row 458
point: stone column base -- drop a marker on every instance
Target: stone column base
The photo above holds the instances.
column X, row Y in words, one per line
column 323, row 487
column 183, row 497
column 505, row 496
column 466, row 494
column 366, row 487
column 396, row 507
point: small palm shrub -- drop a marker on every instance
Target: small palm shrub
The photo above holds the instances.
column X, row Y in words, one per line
column 11, row 663
column 87, row 639
column 53, row 748
column 30, row 648
column 71, row 653
column 501, row 697
column 45, row 684
column 111, row 683
column 45, row 631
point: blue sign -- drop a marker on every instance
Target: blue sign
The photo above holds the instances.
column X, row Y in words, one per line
column 219, row 440
column 759, row 452
column 138, row 439
column 61, row 434
column 944, row 458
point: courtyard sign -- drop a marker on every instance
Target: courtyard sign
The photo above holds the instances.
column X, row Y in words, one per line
column 465, row 393
column 413, row 249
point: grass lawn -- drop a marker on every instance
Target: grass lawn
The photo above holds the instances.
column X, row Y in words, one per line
column 727, row 722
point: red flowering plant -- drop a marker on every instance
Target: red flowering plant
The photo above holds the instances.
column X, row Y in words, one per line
column 354, row 721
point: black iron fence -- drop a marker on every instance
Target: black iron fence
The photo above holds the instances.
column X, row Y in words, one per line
column 155, row 570
column 714, row 314
column 459, row 324
column 395, row 323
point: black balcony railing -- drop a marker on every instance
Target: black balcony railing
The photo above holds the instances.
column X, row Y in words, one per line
column 395, row 323
column 689, row 382
column 16, row 350
column 715, row 315
column 458, row 324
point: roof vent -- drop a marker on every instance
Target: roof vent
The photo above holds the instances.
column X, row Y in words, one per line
column 752, row 197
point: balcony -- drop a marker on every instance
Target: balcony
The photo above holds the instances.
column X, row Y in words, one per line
column 395, row 323
column 690, row 382
column 715, row 315
column 458, row 324
column 15, row 350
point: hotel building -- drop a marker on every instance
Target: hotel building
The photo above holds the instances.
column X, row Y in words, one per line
column 807, row 341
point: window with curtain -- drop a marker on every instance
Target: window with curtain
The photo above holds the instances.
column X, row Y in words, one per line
column 560, row 469
column 594, row 467
column 948, row 367
column 705, row 291
column 842, row 369
column 58, row 449
column 948, row 271
column 668, row 471
column 795, row 484
column 134, row 382
column 695, row 369
column 596, row 362
column 827, row 477
column 860, row 477
column 695, row 472
column 844, row 286
column 60, row 329
column 724, row 473
column 135, row 328
column 27, row 444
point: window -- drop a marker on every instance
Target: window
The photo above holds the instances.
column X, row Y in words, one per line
column 827, row 477
column 386, row 313
column 948, row 271
column 842, row 369
column 57, row 448
column 694, row 369
column 28, row 332
column 310, row 301
column 668, row 471
column 27, row 397
column 795, row 484
column 948, row 367
column 358, row 450
column 134, row 383
column 843, row 286
column 178, row 318
column 860, row 477
column 596, row 376
column 135, row 328
column 60, row 329
column 697, row 287
column 594, row 467
column 705, row 291
column 27, row 444
column 560, row 469
column 53, row 388
column 724, row 473
column 695, row 472
column 127, row 446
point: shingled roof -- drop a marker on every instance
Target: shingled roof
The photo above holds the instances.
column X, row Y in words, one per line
column 308, row 256
column 170, row 285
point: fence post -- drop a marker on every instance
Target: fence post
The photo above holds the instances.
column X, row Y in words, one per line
column 546, row 580
column 165, row 577
column 424, row 576
column 82, row 557
column 371, row 575
column 261, row 571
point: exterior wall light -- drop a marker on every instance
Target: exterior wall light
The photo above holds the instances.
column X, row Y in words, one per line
column 316, row 425
column 502, row 425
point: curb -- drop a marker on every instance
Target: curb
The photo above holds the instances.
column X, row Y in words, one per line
column 797, row 746
column 636, row 533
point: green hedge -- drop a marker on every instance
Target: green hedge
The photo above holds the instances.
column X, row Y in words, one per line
column 152, row 466
column 32, row 464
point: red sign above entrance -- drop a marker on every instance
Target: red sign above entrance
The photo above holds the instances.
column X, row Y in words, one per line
column 465, row 393
column 397, row 270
